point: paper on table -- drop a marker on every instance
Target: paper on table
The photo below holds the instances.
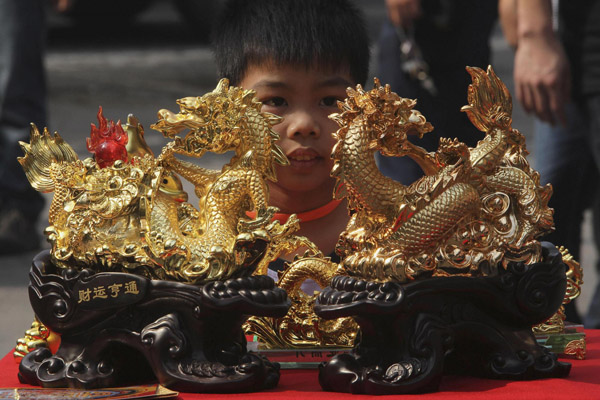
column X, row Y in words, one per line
column 130, row 392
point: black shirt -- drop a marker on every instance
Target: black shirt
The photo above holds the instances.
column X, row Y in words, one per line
column 579, row 28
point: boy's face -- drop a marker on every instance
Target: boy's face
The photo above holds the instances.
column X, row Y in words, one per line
column 304, row 98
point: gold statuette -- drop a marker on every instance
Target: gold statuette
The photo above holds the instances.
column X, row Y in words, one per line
column 563, row 338
column 556, row 324
column 447, row 274
column 301, row 327
column 35, row 337
column 475, row 210
column 125, row 209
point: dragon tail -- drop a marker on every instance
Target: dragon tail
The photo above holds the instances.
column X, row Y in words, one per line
column 41, row 152
column 490, row 103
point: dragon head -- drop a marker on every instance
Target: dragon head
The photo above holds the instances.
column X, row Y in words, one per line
column 219, row 122
column 214, row 121
column 389, row 117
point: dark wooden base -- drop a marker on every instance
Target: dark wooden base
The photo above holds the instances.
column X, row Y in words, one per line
column 412, row 334
column 118, row 329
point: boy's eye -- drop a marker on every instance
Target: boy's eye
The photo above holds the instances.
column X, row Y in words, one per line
column 275, row 102
column 329, row 101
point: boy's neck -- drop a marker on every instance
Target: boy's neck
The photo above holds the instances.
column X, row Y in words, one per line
column 305, row 216
column 325, row 231
column 298, row 202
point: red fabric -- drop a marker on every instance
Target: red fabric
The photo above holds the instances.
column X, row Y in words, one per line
column 582, row 383
column 305, row 216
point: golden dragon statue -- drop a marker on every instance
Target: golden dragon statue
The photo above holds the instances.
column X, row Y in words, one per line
column 125, row 210
column 301, row 327
column 475, row 208
column 446, row 274
column 573, row 340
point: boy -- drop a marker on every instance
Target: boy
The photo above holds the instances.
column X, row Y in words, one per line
column 299, row 56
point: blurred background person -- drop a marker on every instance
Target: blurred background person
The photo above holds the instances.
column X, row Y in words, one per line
column 22, row 101
column 557, row 78
column 424, row 47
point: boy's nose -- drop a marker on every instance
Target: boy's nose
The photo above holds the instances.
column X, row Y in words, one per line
column 302, row 123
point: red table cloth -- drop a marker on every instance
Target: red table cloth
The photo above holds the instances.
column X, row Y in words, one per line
column 582, row 383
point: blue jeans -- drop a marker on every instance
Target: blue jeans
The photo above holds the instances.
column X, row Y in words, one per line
column 568, row 157
column 22, row 97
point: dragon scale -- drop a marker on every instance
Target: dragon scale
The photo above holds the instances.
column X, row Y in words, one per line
column 359, row 171
column 435, row 222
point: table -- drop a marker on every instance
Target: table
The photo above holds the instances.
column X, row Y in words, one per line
column 582, row 383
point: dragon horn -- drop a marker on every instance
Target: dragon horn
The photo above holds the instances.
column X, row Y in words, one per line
column 222, row 86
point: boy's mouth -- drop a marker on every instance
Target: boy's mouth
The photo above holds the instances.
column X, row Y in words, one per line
column 303, row 158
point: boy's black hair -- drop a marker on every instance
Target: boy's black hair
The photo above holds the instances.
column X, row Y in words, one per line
column 306, row 32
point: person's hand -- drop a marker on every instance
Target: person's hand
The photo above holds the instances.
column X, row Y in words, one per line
column 403, row 12
column 62, row 5
column 541, row 74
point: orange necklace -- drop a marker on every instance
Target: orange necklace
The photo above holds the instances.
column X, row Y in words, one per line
column 306, row 216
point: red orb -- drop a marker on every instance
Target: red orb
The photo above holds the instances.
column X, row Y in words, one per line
column 109, row 152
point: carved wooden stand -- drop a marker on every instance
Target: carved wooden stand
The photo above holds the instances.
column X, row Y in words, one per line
column 118, row 329
column 412, row 334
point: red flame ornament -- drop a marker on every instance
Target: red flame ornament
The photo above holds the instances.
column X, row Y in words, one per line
column 107, row 142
